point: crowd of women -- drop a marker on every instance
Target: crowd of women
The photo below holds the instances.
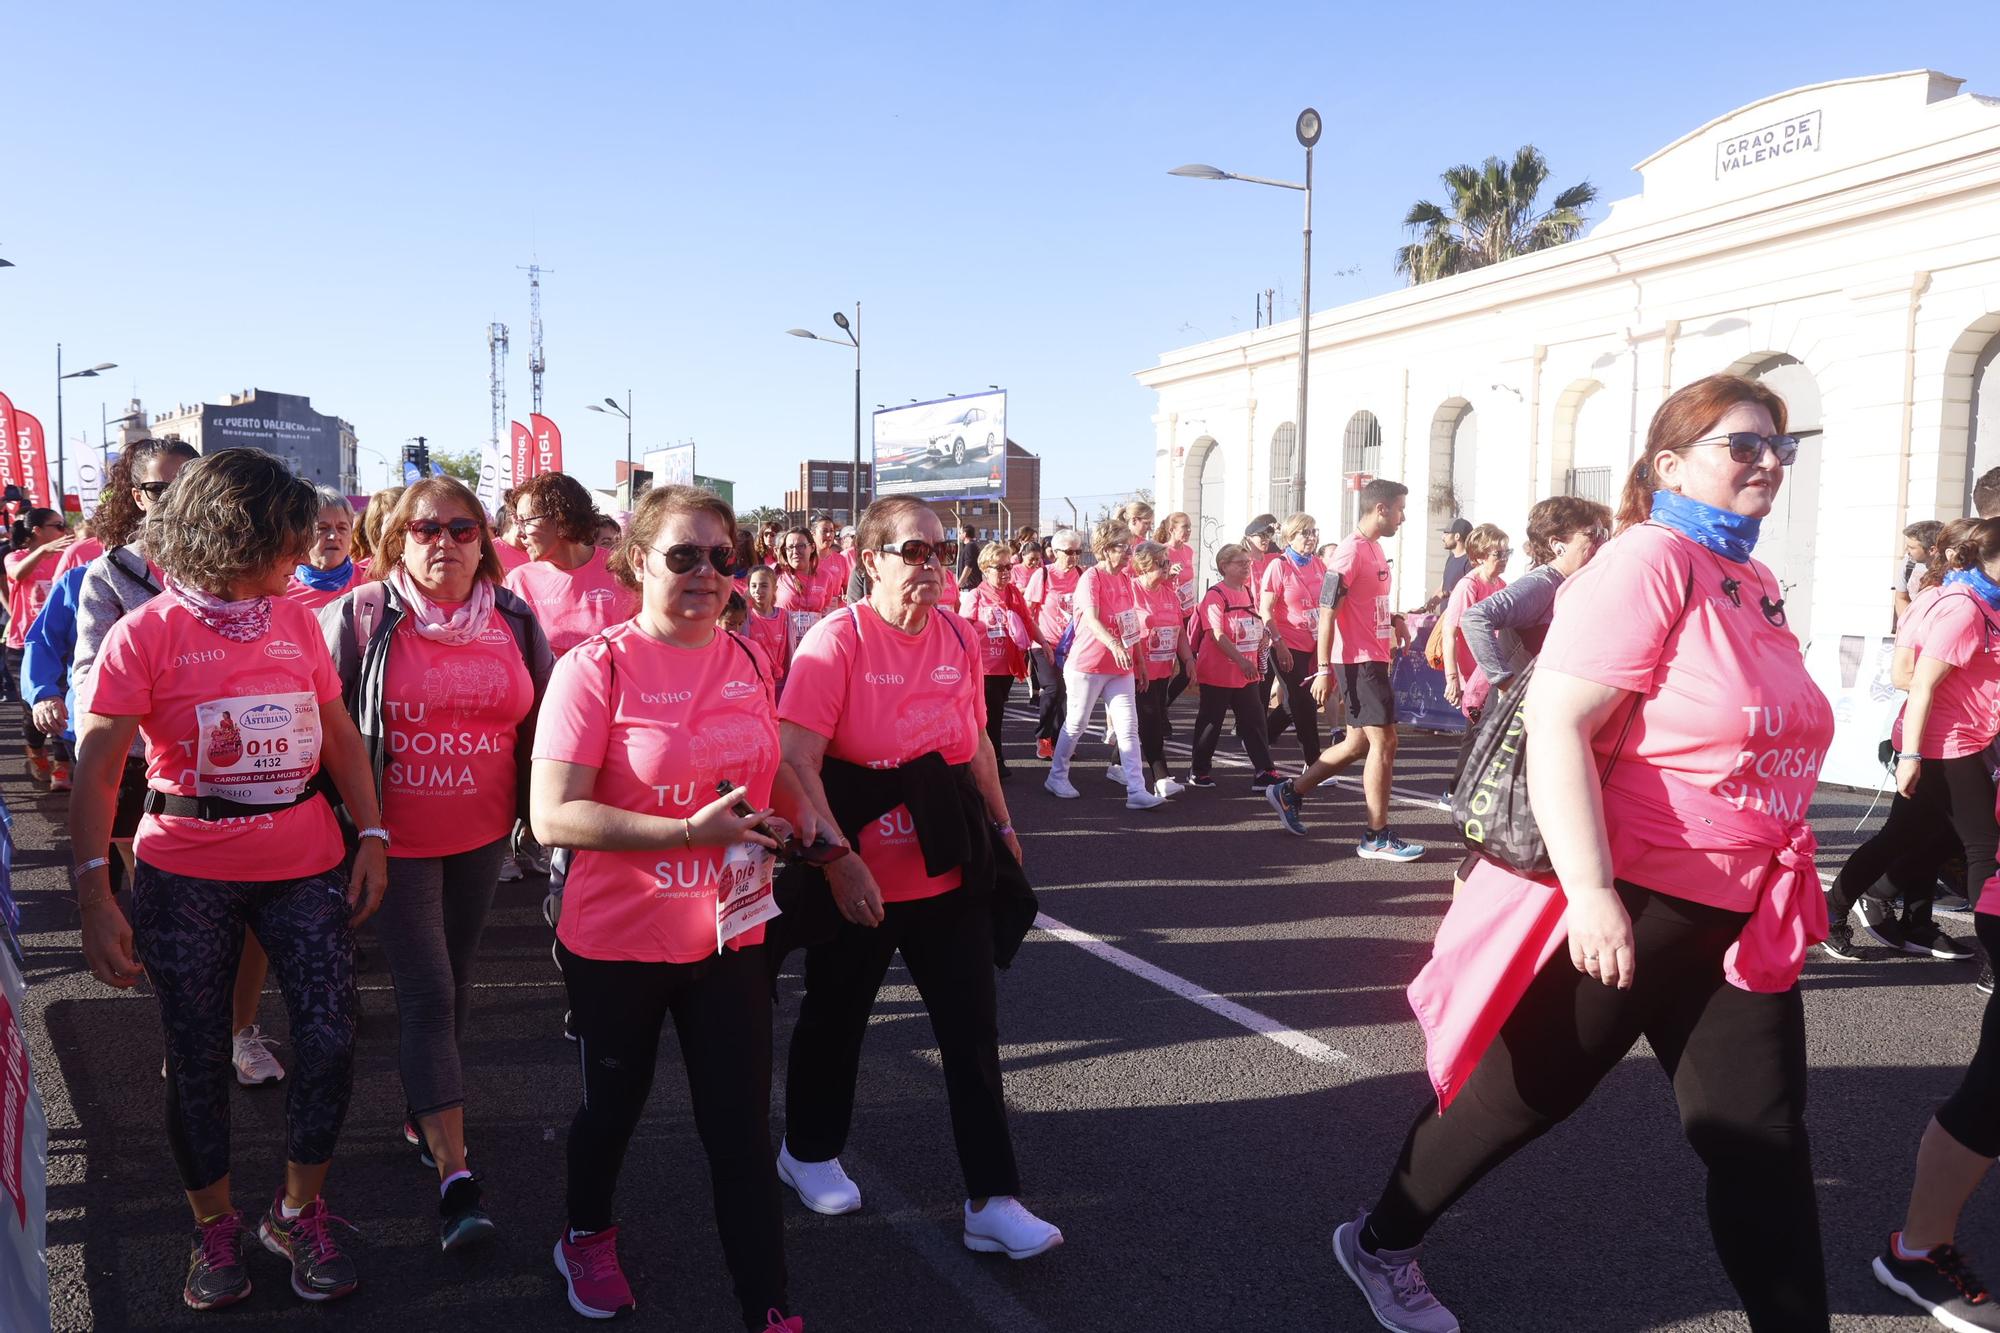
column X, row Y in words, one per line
column 287, row 720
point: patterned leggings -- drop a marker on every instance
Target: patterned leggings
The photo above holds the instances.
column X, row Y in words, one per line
column 189, row 934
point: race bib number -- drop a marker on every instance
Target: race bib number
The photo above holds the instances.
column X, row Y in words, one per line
column 258, row 749
column 796, row 625
column 1248, row 632
column 996, row 623
column 744, row 898
column 1382, row 626
column 1130, row 631
column 1185, row 591
column 1161, row 649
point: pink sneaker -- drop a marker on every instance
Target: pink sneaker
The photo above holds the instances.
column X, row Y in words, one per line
column 779, row 1324
column 589, row 1266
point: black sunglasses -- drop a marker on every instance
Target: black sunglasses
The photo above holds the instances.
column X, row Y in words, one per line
column 156, row 489
column 1747, row 446
column 684, row 557
column 427, row 530
column 919, row 552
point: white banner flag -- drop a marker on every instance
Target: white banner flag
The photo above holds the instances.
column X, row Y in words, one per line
column 496, row 471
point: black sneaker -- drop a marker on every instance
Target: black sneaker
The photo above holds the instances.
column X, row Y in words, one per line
column 320, row 1272
column 1941, row 1283
column 1270, row 777
column 569, row 1028
column 1930, row 942
column 1878, row 923
column 1201, row 780
column 414, row 1136
column 461, row 1220
column 1284, row 799
column 1839, row 942
column 217, row 1275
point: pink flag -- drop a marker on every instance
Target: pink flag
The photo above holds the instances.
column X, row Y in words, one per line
column 524, row 452
column 31, row 459
column 548, row 444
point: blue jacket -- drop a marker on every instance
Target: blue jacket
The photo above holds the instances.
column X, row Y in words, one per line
column 48, row 646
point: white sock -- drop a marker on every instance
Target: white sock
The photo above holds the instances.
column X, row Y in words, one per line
column 1904, row 1252
column 288, row 1212
column 575, row 1235
column 445, row 1184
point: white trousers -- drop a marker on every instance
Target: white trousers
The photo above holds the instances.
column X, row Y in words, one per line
column 1121, row 710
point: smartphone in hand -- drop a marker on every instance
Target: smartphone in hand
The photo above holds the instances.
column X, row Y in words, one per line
column 823, row 851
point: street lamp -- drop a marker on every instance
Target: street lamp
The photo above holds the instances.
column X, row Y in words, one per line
column 610, row 408
column 851, row 337
column 1308, row 131
column 61, row 480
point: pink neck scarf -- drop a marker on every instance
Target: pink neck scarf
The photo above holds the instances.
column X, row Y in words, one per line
column 240, row 622
column 427, row 618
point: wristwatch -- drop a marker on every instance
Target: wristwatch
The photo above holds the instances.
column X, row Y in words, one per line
column 381, row 833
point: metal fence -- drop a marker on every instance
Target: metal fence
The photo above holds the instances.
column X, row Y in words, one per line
column 1590, row 483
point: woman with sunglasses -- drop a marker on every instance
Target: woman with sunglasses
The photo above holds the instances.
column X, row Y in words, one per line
column 329, row 568
column 1000, row 617
column 643, row 725
column 884, row 686
column 441, row 669
column 1051, row 595
column 1288, row 597
column 1101, row 665
column 1683, row 881
column 1229, row 638
column 30, row 575
column 568, row 580
column 229, row 685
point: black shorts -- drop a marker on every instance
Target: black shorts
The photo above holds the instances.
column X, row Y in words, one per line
column 1370, row 700
column 131, row 796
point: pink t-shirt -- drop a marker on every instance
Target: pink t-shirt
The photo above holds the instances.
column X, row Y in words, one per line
column 1473, row 685
column 1181, row 573
column 511, row 557
column 833, row 571
column 1227, row 613
column 573, row 604
column 450, row 716
column 768, row 633
column 1959, row 629
column 1294, row 592
column 1020, row 574
column 82, row 552
column 1728, row 706
column 1052, row 597
column 661, row 725
column 1907, row 630
column 882, row 698
column 160, row 665
column 998, row 618
column 312, row 599
column 1361, row 628
column 1259, row 562
column 27, row 596
column 1164, row 622
column 1112, row 596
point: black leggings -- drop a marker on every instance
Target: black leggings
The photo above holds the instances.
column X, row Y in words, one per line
column 947, row 944
column 1737, row 1061
column 1300, row 710
column 1247, row 702
column 997, row 690
column 1054, row 703
column 1972, row 1115
column 1153, row 698
column 721, row 1008
column 189, row 935
column 1952, row 808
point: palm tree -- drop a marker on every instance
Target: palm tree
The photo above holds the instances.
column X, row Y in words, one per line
column 1491, row 217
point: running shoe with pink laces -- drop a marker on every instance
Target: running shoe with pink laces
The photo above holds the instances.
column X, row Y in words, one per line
column 217, row 1275
column 779, row 1324
column 589, row 1267
column 320, row 1272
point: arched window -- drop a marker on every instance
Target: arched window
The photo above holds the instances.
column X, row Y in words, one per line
column 1360, row 455
column 1285, row 498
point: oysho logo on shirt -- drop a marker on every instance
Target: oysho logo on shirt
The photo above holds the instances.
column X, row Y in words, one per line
column 284, row 650
column 669, row 697
column 738, row 689
column 883, row 678
column 266, row 717
column 947, row 675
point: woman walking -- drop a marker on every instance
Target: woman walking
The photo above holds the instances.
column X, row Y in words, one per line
column 1100, row 666
column 1228, row 641
column 1288, row 596
column 1000, row 618
column 1163, row 657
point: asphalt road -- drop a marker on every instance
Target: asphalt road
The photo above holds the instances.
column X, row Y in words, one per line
column 1196, row 1154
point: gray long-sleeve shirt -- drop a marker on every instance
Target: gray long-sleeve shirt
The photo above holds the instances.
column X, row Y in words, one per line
column 1493, row 625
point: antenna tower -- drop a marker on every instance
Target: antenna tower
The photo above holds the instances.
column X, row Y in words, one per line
column 537, row 363
column 496, row 351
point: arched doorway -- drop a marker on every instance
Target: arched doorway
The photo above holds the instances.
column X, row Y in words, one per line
column 1360, row 452
column 1285, row 497
column 1201, row 490
column 1982, row 441
column 1453, row 459
column 1589, row 444
column 1789, row 537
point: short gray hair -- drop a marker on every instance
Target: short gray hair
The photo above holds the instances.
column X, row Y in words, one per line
column 329, row 498
column 1066, row 539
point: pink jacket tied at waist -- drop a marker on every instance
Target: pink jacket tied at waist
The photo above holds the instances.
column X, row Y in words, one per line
column 1504, row 927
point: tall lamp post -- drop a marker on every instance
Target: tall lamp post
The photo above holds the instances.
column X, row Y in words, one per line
column 1308, row 131
column 610, row 408
column 851, row 337
column 61, row 480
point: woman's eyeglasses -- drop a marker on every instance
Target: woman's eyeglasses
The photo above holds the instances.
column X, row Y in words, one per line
column 919, row 552
column 1747, row 446
column 683, row 558
column 427, row 530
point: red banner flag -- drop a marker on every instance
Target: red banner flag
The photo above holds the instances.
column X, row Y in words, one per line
column 524, row 452
column 31, row 459
column 548, row 444
column 9, row 474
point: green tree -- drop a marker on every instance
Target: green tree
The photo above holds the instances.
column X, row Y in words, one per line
column 463, row 464
column 758, row 517
column 1490, row 215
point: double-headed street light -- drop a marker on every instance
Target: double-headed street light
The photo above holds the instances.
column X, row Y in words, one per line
column 851, row 337
column 61, row 480
column 1308, row 131
column 610, row 408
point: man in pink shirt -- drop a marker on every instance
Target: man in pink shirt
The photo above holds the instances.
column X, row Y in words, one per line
column 1357, row 632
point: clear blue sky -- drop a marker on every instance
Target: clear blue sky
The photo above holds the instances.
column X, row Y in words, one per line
column 332, row 199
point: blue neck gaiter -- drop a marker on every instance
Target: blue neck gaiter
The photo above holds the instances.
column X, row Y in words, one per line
column 1298, row 561
column 327, row 580
column 1731, row 536
column 1975, row 579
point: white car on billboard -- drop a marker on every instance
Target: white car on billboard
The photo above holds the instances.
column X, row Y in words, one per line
column 972, row 433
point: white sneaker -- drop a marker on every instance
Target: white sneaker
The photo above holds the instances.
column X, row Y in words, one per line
column 822, row 1186
column 1166, row 787
column 1003, row 1226
column 1060, row 787
column 251, row 1054
column 1115, row 773
column 1141, row 799
column 510, row 869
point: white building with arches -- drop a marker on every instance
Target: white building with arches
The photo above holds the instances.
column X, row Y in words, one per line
column 1840, row 241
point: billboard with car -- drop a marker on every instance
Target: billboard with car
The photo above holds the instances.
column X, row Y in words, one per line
column 950, row 449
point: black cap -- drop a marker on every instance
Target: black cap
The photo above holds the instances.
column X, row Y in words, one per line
column 1458, row 527
column 1266, row 523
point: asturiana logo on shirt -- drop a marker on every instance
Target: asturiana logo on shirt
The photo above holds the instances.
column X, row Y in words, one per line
column 947, row 675
column 738, row 689
column 883, row 678
column 266, row 717
column 284, row 650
